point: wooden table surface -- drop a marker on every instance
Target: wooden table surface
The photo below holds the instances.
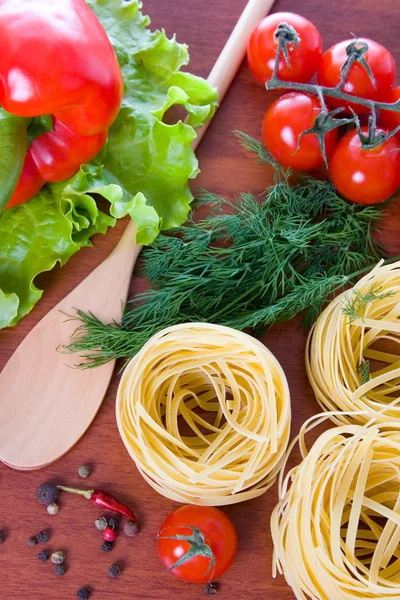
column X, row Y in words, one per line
column 226, row 169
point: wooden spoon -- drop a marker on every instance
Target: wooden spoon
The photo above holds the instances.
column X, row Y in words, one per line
column 46, row 404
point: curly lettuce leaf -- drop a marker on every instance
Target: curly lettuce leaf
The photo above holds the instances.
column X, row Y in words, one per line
column 49, row 229
column 143, row 171
column 8, row 308
column 145, row 155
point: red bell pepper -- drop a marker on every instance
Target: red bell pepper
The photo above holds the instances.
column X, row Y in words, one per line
column 56, row 59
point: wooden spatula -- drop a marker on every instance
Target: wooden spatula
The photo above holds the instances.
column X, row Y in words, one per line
column 46, row 405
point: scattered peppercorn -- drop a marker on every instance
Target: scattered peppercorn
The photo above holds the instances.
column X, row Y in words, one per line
column 43, row 556
column 53, row 509
column 114, row 571
column 32, row 541
column 47, row 494
column 59, row 570
column 84, row 471
column 2, row 538
column 107, row 546
column 113, row 523
column 83, row 594
column 131, row 528
column 109, row 534
column 211, row 589
column 42, row 537
column 101, row 524
column 58, row 557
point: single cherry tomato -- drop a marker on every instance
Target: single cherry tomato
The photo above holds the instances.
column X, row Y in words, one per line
column 365, row 176
column 209, row 546
column 284, row 121
column 358, row 81
column 389, row 119
column 263, row 44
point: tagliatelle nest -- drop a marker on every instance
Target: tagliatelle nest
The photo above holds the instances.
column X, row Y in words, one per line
column 180, row 376
column 336, row 529
column 358, row 329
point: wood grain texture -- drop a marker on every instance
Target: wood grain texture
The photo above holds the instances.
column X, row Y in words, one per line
column 226, row 169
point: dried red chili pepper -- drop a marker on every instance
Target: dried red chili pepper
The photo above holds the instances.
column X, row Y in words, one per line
column 103, row 499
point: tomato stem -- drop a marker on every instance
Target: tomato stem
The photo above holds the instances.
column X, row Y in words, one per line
column 323, row 123
column 285, row 34
column 197, row 547
column 374, row 138
column 355, row 53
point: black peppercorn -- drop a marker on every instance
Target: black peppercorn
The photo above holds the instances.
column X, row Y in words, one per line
column 107, row 546
column 42, row 537
column 211, row 589
column 47, row 494
column 114, row 571
column 113, row 522
column 32, row 541
column 43, row 556
column 2, row 538
column 59, row 570
column 83, row 594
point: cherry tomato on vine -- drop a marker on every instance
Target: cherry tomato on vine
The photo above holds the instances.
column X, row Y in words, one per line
column 210, row 546
column 365, row 176
column 389, row 119
column 263, row 45
column 358, row 81
column 284, row 121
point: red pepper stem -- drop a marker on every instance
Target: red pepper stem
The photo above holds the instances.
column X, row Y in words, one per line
column 86, row 493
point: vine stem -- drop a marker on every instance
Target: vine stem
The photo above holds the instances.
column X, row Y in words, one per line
column 276, row 84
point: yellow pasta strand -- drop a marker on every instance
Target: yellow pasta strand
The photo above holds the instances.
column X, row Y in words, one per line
column 337, row 347
column 336, row 528
column 231, row 377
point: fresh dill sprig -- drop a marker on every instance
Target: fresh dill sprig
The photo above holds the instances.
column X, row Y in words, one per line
column 249, row 143
column 356, row 302
column 364, row 371
column 246, row 265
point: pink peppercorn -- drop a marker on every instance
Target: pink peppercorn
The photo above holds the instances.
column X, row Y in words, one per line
column 109, row 534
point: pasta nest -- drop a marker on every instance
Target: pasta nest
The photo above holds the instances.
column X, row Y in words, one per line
column 336, row 529
column 204, row 411
column 359, row 326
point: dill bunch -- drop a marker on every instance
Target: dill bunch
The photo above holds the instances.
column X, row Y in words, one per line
column 246, row 265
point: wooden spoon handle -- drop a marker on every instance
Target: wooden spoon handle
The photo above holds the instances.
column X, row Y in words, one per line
column 221, row 76
column 233, row 53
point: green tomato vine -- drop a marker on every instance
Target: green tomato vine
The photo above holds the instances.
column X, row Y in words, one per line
column 288, row 39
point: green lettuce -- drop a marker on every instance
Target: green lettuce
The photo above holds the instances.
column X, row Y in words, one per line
column 151, row 160
column 143, row 171
column 49, row 229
